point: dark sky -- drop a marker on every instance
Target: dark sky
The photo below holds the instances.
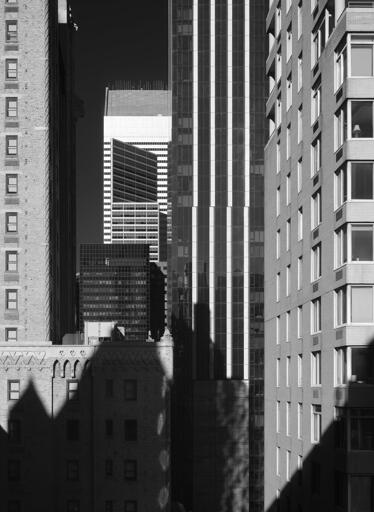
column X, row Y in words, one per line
column 116, row 40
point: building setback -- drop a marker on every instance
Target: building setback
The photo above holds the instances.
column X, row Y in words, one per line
column 216, row 267
column 319, row 316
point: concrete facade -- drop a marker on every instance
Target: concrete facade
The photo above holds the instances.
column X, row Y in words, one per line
column 318, row 391
column 88, row 429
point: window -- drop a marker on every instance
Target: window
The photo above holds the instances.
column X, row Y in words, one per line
column 340, row 64
column 108, row 468
column 277, row 327
column 316, row 369
column 288, row 141
column 362, row 365
column 11, row 183
column 73, row 506
column 340, row 246
column 131, row 506
column 316, row 212
column 299, row 20
column 277, row 416
column 300, row 473
column 316, row 156
column 300, row 322
column 72, row 390
column 340, row 366
column 278, row 157
column 277, row 460
column 278, row 117
column 277, row 287
column 278, row 202
column 288, row 369
column 288, row 234
column 288, row 465
column 300, row 224
column 289, row 42
column 299, row 272
column 299, row 175
column 130, row 389
column 288, row 415
column 300, row 124
column 11, row 261
column 72, row 470
column 361, row 55
column 278, row 65
column 288, row 5
column 130, row 469
column 11, row 334
column 361, row 180
column 277, row 243
column 299, row 420
column 11, row 222
column 361, row 242
column 316, row 262
column 321, row 34
column 72, row 430
column 340, row 307
column 288, row 280
column 278, row 20
column 340, row 188
column 11, row 299
column 361, row 493
column 288, row 319
column 361, row 119
column 289, row 91
column 361, row 304
column 361, row 429
column 11, row 107
column 109, row 388
column 315, row 478
column 11, row 145
column 11, row 69
column 299, row 72
column 316, row 423
column 340, row 127
column 131, row 430
column 288, row 189
column 300, row 370
column 277, row 372
column 11, row 35
column 14, row 470
column 316, row 101
column 14, row 431
column 316, row 316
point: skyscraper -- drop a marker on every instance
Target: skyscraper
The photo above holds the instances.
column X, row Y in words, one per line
column 216, row 265
column 319, row 452
column 38, row 185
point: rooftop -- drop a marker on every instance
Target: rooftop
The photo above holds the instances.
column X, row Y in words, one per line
column 137, row 103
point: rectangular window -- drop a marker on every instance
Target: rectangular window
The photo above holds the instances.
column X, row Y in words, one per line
column 73, row 506
column 277, row 460
column 288, row 417
column 72, row 430
column 300, row 420
column 361, row 119
column 300, row 124
column 11, row 222
column 361, row 304
column 288, row 465
column 340, row 366
column 316, row 262
column 278, row 117
column 278, row 202
column 72, row 470
column 130, row 389
column 315, row 156
column 109, row 506
column 299, row 72
column 277, row 327
column 277, row 287
column 131, row 430
column 288, row 370
column 289, row 42
column 340, row 127
column 130, row 469
column 316, row 423
column 340, row 307
column 361, row 242
column 289, row 92
column 11, row 69
column 300, row 370
column 300, row 224
column 72, row 390
column 315, row 478
column 278, row 65
column 300, row 322
column 277, row 416
column 109, row 388
column 277, row 243
column 361, row 180
column 11, row 183
column 14, row 388
column 316, row 368
column 316, row 208
column 131, row 506
column 288, row 5
column 11, row 334
column 361, row 493
column 11, row 145
column 14, row 431
column 11, row 299
column 108, row 468
column 362, row 365
column 288, row 280
column 288, row 141
column 299, row 175
column 340, row 187
column 316, row 316
column 278, row 20
column 11, row 261
column 362, row 55
column 299, row 273
column 288, row 189
column 340, row 247
column 299, row 20
column 300, row 472
column 340, row 64
column 11, row 35
column 278, row 157
column 277, row 372
column 14, row 470
column 316, row 101
column 11, row 107
column 361, row 429
column 109, row 428
column 288, row 234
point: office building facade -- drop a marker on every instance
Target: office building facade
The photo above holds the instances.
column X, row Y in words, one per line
column 38, row 172
column 216, row 266
column 319, row 318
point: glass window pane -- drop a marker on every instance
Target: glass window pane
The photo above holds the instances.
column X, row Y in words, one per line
column 362, row 119
column 362, row 243
column 362, row 60
column 361, row 494
column 362, row 304
column 362, row 180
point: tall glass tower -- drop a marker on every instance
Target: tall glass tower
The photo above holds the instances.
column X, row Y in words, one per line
column 216, row 258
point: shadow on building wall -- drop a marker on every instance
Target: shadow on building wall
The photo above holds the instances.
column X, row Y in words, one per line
column 322, row 483
column 98, row 448
column 210, row 461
